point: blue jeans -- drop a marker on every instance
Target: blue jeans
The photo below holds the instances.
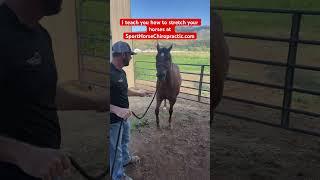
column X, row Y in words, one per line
column 123, row 155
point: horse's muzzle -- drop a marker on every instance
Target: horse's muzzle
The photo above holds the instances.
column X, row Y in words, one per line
column 161, row 76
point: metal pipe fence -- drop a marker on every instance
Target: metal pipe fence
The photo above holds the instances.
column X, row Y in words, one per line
column 199, row 88
column 288, row 87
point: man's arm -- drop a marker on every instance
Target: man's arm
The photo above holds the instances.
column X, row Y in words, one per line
column 37, row 162
column 141, row 93
column 68, row 98
column 9, row 150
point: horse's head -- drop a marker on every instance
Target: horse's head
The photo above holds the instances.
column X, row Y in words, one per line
column 163, row 63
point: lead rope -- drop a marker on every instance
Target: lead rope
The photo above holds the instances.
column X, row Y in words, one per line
column 147, row 108
column 103, row 174
column 76, row 165
column 81, row 170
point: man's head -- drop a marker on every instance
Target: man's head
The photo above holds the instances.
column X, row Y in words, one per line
column 121, row 53
column 33, row 10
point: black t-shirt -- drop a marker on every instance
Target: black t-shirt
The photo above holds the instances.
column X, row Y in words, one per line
column 118, row 90
column 28, row 80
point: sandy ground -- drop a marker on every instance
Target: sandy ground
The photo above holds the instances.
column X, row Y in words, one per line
column 84, row 136
column 251, row 151
column 241, row 150
column 181, row 153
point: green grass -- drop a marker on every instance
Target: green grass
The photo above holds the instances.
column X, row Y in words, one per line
column 177, row 58
column 137, row 124
column 267, row 23
column 179, row 45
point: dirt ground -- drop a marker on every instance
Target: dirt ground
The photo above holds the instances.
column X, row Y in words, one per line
column 84, row 137
column 240, row 150
column 181, row 153
column 244, row 150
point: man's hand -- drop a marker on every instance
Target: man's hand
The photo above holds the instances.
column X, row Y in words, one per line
column 44, row 163
column 120, row 112
column 140, row 92
column 144, row 93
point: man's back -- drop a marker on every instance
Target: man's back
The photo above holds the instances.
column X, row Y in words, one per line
column 28, row 83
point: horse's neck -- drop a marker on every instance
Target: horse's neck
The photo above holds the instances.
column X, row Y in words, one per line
column 170, row 75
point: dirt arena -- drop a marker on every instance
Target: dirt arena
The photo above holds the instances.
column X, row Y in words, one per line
column 250, row 151
column 181, row 153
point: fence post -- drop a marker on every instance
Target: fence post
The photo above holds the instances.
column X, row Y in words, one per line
column 291, row 61
column 200, row 83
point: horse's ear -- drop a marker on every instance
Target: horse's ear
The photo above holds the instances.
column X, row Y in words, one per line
column 170, row 47
column 158, row 47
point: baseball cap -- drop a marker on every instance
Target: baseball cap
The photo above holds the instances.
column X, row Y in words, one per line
column 122, row 47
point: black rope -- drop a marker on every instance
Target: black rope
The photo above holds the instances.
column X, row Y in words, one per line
column 103, row 174
column 147, row 108
column 84, row 173
column 115, row 156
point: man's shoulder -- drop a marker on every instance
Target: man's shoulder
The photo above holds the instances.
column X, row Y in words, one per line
column 113, row 70
column 124, row 72
column 114, row 73
column 6, row 20
column 45, row 32
column 8, row 30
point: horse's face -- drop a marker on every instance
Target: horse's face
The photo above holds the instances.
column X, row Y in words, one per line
column 163, row 63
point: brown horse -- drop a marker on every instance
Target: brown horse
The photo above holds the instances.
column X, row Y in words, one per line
column 168, row 81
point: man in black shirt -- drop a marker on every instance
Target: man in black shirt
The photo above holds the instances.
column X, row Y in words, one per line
column 119, row 108
column 29, row 128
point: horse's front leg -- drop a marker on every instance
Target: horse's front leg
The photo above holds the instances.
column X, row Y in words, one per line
column 172, row 102
column 159, row 100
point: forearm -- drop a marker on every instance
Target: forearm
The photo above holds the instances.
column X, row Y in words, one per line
column 132, row 92
column 124, row 113
column 11, row 150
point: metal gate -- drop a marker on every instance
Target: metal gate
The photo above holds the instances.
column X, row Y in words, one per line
column 288, row 87
column 93, row 28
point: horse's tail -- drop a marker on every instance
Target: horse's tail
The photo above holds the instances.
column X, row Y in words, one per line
column 165, row 105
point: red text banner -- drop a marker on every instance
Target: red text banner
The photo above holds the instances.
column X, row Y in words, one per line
column 160, row 28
